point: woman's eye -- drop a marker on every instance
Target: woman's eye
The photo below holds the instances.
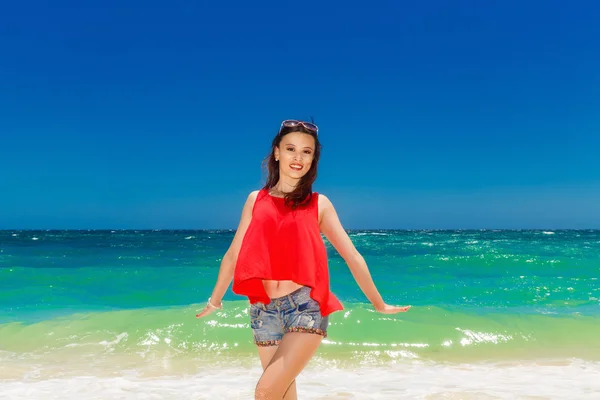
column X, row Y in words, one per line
column 290, row 149
column 307, row 152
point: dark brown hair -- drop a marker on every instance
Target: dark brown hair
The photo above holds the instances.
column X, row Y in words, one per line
column 303, row 191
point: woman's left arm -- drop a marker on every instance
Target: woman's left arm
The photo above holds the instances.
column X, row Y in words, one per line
column 334, row 232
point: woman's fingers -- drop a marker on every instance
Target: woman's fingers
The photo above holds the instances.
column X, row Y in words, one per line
column 393, row 309
column 207, row 310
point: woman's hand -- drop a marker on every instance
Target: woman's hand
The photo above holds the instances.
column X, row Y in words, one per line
column 387, row 309
column 207, row 310
column 210, row 307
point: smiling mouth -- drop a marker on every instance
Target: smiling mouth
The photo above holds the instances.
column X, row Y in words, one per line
column 296, row 167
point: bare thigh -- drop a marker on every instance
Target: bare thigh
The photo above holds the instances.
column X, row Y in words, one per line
column 266, row 354
column 293, row 353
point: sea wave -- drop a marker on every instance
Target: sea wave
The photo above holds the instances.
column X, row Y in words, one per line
column 557, row 380
column 357, row 335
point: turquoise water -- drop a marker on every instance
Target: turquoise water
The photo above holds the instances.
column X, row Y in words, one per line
column 476, row 295
column 111, row 314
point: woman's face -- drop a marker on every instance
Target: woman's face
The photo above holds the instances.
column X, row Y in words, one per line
column 295, row 153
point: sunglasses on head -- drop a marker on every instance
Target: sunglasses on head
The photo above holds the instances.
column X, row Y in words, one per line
column 292, row 123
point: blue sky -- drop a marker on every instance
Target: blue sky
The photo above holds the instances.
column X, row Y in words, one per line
column 436, row 114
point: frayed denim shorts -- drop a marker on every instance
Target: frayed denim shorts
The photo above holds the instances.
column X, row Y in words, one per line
column 295, row 312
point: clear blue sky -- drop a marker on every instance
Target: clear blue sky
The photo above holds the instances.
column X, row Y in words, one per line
column 432, row 114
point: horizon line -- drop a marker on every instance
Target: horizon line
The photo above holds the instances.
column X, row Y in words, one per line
column 347, row 229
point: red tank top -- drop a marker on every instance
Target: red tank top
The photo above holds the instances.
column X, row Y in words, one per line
column 284, row 244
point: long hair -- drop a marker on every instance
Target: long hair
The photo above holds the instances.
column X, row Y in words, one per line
column 302, row 194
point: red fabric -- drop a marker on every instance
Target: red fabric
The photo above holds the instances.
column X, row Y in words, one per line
column 284, row 244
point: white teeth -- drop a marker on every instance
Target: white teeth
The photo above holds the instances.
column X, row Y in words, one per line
column 296, row 166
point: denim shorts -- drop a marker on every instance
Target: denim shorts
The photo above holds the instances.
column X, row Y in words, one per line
column 295, row 312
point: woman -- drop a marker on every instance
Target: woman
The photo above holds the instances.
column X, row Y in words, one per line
column 278, row 259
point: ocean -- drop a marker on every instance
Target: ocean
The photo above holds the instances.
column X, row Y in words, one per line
column 496, row 314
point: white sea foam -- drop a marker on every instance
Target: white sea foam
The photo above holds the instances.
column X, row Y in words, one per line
column 566, row 379
column 110, row 344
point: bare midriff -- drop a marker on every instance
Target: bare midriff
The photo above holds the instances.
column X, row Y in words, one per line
column 277, row 289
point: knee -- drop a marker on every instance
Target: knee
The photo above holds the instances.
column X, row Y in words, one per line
column 266, row 391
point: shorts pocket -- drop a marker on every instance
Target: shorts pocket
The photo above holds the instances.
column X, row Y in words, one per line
column 255, row 317
column 308, row 306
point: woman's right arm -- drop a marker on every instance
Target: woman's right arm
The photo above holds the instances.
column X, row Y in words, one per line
column 230, row 258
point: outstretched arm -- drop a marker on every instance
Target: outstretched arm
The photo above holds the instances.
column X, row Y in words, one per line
column 334, row 232
column 230, row 258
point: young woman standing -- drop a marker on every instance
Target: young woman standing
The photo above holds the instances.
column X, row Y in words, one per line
column 278, row 260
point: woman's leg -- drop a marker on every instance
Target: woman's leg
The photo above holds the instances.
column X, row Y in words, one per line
column 290, row 358
column 266, row 353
